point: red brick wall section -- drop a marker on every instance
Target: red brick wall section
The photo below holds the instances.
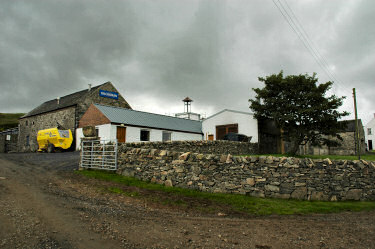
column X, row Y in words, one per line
column 93, row 117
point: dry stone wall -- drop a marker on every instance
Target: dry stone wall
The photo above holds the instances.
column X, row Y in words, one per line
column 285, row 178
column 205, row 147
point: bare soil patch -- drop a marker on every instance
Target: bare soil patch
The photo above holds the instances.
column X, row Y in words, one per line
column 43, row 204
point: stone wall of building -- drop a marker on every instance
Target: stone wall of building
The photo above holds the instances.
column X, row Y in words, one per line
column 200, row 146
column 346, row 147
column 9, row 140
column 304, row 179
column 94, row 98
column 11, row 145
column 30, row 126
column 2, row 143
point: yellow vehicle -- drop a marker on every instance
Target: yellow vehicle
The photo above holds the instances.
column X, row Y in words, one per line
column 50, row 139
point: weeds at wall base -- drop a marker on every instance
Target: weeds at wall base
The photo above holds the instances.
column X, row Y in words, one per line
column 214, row 203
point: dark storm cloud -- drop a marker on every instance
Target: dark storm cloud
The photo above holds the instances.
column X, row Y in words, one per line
column 47, row 48
column 158, row 52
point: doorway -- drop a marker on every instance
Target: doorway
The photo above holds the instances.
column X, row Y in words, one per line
column 121, row 134
column 370, row 145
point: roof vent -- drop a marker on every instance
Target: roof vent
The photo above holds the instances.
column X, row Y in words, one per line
column 89, row 87
column 187, row 103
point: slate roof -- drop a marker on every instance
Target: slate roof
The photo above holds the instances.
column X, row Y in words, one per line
column 149, row 120
column 349, row 125
column 66, row 101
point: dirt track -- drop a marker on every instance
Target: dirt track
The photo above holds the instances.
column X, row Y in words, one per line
column 44, row 205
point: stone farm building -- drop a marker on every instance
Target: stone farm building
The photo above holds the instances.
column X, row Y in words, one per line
column 347, row 144
column 225, row 121
column 103, row 106
column 65, row 112
column 127, row 125
column 9, row 140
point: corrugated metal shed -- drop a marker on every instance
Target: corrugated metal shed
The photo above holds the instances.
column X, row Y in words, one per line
column 150, row 120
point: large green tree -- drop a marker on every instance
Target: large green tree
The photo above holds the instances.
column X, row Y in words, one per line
column 300, row 108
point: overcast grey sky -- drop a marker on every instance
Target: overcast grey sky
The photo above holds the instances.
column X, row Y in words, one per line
column 157, row 52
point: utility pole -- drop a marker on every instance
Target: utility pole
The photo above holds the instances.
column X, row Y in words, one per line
column 357, row 141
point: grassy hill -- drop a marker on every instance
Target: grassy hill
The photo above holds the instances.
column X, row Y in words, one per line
column 9, row 120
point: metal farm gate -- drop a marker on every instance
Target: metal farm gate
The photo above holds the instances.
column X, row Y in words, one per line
column 99, row 154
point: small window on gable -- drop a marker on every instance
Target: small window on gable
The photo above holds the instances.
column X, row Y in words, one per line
column 145, row 135
column 167, row 136
column 369, row 132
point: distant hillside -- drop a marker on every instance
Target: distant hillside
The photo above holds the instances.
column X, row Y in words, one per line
column 9, row 120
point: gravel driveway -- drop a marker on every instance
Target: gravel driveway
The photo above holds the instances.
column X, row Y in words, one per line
column 43, row 204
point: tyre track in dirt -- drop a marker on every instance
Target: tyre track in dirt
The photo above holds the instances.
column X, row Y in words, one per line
column 39, row 217
column 44, row 205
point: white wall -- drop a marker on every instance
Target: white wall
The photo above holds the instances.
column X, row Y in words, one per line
column 247, row 124
column 105, row 133
column 180, row 136
column 79, row 134
column 133, row 134
column 371, row 137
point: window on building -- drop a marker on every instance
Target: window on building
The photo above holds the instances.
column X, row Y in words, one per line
column 369, row 132
column 97, row 132
column 145, row 135
column 27, row 140
column 167, row 136
column 26, row 123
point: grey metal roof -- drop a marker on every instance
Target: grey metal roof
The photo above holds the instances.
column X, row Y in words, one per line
column 228, row 110
column 150, row 120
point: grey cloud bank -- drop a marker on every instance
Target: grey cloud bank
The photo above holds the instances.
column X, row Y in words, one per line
column 158, row 52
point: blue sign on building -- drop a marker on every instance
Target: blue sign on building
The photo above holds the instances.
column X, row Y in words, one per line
column 108, row 94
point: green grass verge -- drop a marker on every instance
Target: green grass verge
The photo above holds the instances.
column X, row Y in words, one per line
column 238, row 203
column 368, row 157
column 120, row 191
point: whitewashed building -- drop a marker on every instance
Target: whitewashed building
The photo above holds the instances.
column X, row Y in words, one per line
column 370, row 134
column 127, row 125
column 221, row 123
